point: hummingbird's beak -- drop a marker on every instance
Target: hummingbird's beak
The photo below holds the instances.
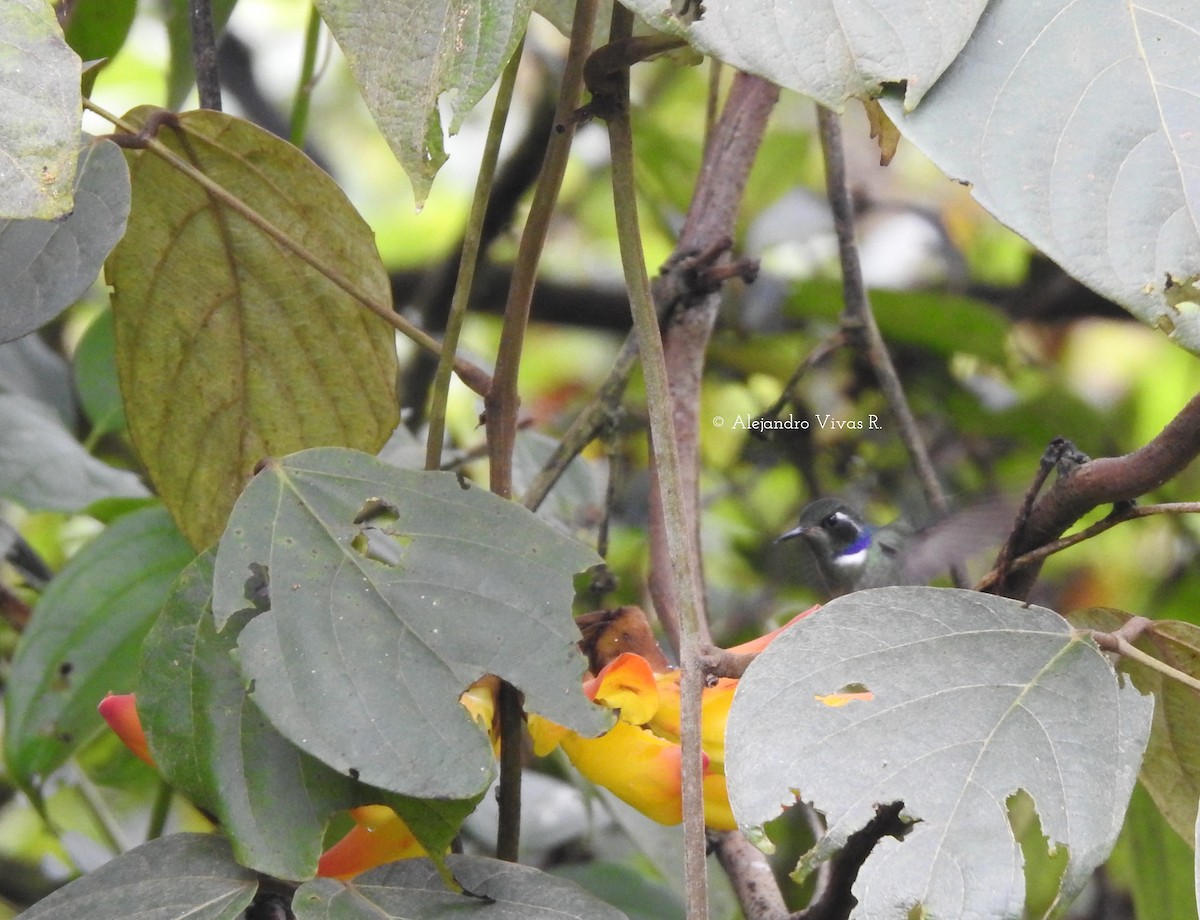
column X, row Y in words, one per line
column 792, row 534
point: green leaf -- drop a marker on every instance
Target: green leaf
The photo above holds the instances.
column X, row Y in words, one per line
column 39, row 113
column 1171, row 767
column 412, row 890
column 360, row 662
column 816, row 48
column 85, row 639
column 96, row 29
column 44, row 467
column 974, row 698
column 213, row 744
column 410, row 58
column 1154, row 863
column 95, row 367
column 48, row 265
column 229, row 347
column 1073, row 124
column 190, row 876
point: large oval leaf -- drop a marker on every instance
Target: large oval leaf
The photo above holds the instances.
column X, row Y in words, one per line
column 85, row 638
column 229, row 346
column 213, row 744
column 1074, row 123
column 824, row 49
column 182, row 877
column 388, row 592
column 973, row 698
column 47, row 265
column 413, row 889
column 39, row 112
column 412, row 60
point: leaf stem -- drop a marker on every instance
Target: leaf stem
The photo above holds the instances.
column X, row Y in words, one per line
column 472, row 237
column 204, row 54
column 679, row 533
column 304, row 86
column 160, row 810
column 474, row 377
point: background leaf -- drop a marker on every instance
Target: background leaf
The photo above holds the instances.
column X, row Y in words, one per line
column 1154, row 863
column 48, row 265
column 975, row 698
column 361, row 662
column 85, row 639
column 822, row 50
column 1073, row 124
column 411, row 58
column 213, row 744
column 1171, row 767
column 412, row 889
column 226, row 341
column 190, row 876
column 39, row 112
column 45, row 467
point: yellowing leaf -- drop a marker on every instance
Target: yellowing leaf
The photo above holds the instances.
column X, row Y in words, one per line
column 229, row 346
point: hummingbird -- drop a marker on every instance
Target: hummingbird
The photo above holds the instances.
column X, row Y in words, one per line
column 851, row 555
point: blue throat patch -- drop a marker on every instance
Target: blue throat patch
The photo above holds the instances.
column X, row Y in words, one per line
column 863, row 542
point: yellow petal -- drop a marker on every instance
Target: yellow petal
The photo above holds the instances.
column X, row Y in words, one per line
column 633, row 764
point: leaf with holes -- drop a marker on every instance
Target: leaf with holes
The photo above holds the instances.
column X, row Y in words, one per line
column 1074, row 123
column 231, row 347
column 213, row 744
column 960, row 702
column 377, row 595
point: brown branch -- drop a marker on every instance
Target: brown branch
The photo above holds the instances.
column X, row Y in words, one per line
column 702, row 245
column 204, row 54
column 1103, row 481
column 753, row 880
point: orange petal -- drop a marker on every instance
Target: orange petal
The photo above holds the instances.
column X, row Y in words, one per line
column 626, row 683
column 120, row 712
column 757, row 645
column 379, row 836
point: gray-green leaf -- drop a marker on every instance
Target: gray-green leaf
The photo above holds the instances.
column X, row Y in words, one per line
column 190, row 876
column 47, row 265
column 823, row 49
column 973, row 698
column 388, row 592
column 410, row 59
column 412, row 889
column 1074, row 123
column 39, row 112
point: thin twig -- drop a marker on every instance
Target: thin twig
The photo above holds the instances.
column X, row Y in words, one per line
column 752, row 877
column 204, row 54
column 1049, row 549
column 474, row 377
column 471, row 245
column 859, row 320
column 502, row 400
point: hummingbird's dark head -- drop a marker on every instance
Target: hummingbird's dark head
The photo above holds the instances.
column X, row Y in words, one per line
column 836, row 532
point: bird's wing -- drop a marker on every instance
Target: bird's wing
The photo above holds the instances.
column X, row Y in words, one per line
column 956, row 539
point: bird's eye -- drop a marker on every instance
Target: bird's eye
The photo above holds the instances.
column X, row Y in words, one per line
column 833, row 520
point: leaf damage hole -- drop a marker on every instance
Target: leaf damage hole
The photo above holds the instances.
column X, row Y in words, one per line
column 1044, row 862
column 853, row 692
column 377, row 537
